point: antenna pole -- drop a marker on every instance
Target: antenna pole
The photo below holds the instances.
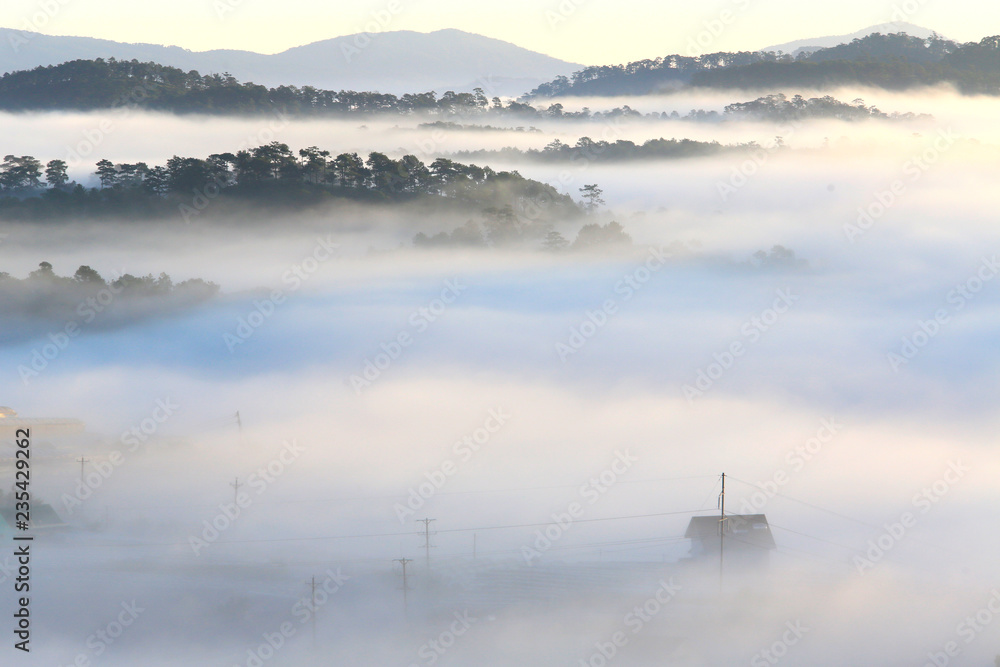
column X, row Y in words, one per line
column 403, row 562
column 82, row 461
column 722, row 528
column 312, row 584
column 427, row 539
column 236, row 491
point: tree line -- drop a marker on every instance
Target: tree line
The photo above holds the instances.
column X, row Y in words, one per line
column 56, row 308
column 86, row 279
column 103, row 84
column 587, row 150
column 271, row 173
column 778, row 108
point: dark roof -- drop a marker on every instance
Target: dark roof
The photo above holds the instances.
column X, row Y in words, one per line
column 748, row 529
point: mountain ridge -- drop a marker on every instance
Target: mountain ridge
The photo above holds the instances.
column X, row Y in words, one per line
column 397, row 62
column 814, row 43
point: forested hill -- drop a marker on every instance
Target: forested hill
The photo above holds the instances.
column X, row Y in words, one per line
column 101, row 84
column 894, row 62
column 271, row 175
column 86, row 85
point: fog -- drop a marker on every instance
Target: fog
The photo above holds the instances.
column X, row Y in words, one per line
column 493, row 390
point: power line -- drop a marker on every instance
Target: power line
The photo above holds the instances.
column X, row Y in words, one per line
column 367, row 535
column 802, row 502
column 853, row 519
column 439, row 493
column 480, row 491
column 813, row 537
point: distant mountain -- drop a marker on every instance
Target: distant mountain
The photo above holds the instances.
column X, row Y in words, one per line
column 391, row 62
column 816, row 43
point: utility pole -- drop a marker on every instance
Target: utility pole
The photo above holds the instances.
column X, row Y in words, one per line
column 404, row 562
column 236, row 490
column 82, row 461
column 312, row 584
column 239, row 422
column 427, row 539
column 722, row 527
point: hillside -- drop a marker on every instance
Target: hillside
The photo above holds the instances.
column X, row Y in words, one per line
column 894, row 62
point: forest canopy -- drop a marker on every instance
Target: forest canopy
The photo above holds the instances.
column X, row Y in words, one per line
column 271, row 174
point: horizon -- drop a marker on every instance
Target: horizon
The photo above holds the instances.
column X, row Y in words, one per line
column 576, row 31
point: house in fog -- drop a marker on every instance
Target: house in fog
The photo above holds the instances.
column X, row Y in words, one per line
column 745, row 538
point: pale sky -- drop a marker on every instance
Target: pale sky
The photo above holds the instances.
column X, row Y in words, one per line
column 585, row 31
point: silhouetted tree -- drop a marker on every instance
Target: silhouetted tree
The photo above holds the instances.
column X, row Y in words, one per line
column 55, row 173
column 592, row 197
column 87, row 275
column 595, row 235
column 554, row 242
